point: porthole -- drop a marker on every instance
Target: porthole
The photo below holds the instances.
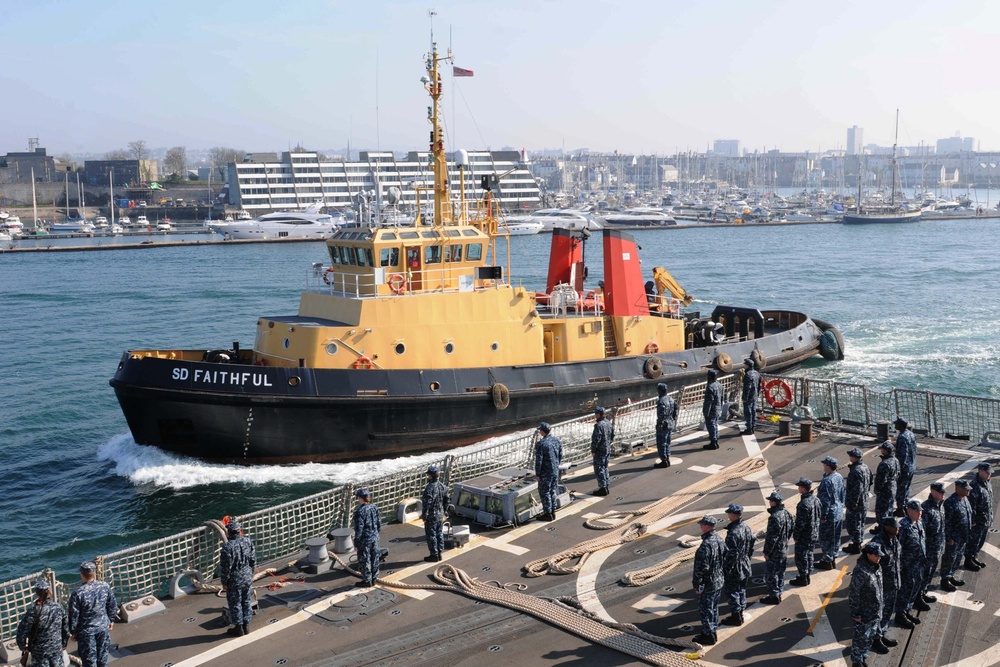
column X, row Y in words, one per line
column 331, row 348
column 294, row 381
column 270, row 325
column 495, row 346
column 400, row 348
column 449, row 348
column 286, row 343
column 435, row 386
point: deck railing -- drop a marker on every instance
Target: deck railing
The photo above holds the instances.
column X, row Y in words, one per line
column 281, row 531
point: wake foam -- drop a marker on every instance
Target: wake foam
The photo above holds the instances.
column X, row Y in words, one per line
column 142, row 464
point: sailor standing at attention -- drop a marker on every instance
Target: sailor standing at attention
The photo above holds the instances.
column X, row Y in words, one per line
column 886, row 476
column 711, row 409
column 806, row 532
column 887, row 539
column 751, row 390
column 780, row 525
column 866, row 602
column 981, row 502
column 44, row 630
column 548, row 457
column 92, row 612
column 736, row 563
column 957, row 527
column 933, row 520
column 859, row 484
column 600, row 449
column 831, row 494
column 707, row 579
column 906, row 454
column 434, row 507
column 367, row 525
column 666, row 419
column 237, row 562
column 912, row 565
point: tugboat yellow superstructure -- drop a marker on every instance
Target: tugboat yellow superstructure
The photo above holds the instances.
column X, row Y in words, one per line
column 415, row 338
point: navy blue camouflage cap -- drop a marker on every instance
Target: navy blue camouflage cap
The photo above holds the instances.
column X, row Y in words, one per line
column 889, row 522
column 985, row 466
column 913, row 504
column 734, row 508
column 937, row 486
column 599, row 410
column 88, row 566
column 234, row 526
column 804, row 481
column 661, row 386
column 830, row 461
column 900, row 423
column 856, row 453
column 887, row 446
column 432, row 470
column 749, row 362
column 544, row 426
column 874, row 548
column 962, row 483
column 362, row 493
column 42, row 585
column 707, row 520
column 775, row 496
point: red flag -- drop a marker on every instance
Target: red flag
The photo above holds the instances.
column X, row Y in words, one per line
column 459, row 71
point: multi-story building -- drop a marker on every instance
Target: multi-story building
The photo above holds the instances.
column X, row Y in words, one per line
column 956, row 144
column 299, row 180
column 855, row 140
column 726, row 147
column 126, row 172
column 17, row 167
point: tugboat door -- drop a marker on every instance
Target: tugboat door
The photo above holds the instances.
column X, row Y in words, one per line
column 413, row 267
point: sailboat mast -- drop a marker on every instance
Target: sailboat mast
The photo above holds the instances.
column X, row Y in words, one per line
column 34, row 200
column 111, row 204
column 895, row 140
column 67, row 195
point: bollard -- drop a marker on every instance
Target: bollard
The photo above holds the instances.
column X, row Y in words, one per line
column 784, row 426
column 806, row 434
column 882, row 431
column 343, row 540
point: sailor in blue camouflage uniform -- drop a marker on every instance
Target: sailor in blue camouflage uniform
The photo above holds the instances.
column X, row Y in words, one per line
column 237, row 563
column 906, row 454
column 92, row 612
column 711, row 409
column 886, row 476
column 666, row 420
column 780, row 525
column 859, row 484
column 981, row 502
column 600, row 449
column 888, row 540
column 736, row 563
column 44, row 629
column 865, row 599
column 831, row 493
column 367, row 525
column 957, row 528
column 912, row 565
column 751, row 390
column 548, row 458
column 806, row 531
column 434, row 504
column 933, row 521
column 707, row 579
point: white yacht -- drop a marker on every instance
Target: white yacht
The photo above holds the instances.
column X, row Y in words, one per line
column 72, row 227
column 563, row 218
column 304, row 224
column 522, row 227
column 125, row 221
column 164, row 225
column 11, row 224
column 142, row 220
column 100, row 222
column 640, row 217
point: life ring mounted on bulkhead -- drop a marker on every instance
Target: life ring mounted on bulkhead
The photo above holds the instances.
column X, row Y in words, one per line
column 652, row 348
column 362, row 363
column 778, row 393
column 397, row 283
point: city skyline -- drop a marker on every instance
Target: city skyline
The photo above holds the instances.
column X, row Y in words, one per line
column 655, row 80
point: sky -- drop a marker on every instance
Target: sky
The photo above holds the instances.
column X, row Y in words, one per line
column 649, row 76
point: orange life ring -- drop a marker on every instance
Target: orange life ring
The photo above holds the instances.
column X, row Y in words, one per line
column 652, row 348
column 674, row 306
column 778, row 393
column 327, row 274
column 397, row 283
column 362, row 363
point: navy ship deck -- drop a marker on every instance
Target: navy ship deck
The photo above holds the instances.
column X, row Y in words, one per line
column 325, row 620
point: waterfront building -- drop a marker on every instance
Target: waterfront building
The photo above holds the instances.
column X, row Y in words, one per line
column 956, row 144
column 126, row 172
column 726, row 147
column 855, row 140
column 17, row 167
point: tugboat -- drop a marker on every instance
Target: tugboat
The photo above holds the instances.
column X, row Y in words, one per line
column 415, row 339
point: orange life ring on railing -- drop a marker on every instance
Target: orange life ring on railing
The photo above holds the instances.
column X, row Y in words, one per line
column 397, row 283
column 674, row 306
column 778, row 393
column 652, row 348
column 362, row 363
column 327, row 274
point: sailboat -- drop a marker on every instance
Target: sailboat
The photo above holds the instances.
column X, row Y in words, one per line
column 882, row 213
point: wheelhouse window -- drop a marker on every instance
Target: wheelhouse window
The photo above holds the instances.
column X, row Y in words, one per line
column 453, row 253
column 474, row 252
column 334, row 255
column 432, row 254
column 389, row 257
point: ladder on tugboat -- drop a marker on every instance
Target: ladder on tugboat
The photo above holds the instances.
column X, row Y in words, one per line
column 610, row 346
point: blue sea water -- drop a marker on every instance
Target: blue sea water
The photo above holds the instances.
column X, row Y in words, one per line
column 916, row 303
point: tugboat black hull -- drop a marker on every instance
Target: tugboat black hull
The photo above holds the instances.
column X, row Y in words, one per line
column 240, row 413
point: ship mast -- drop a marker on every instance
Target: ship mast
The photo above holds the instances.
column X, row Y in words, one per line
column 440, row 162
column 895, row 140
